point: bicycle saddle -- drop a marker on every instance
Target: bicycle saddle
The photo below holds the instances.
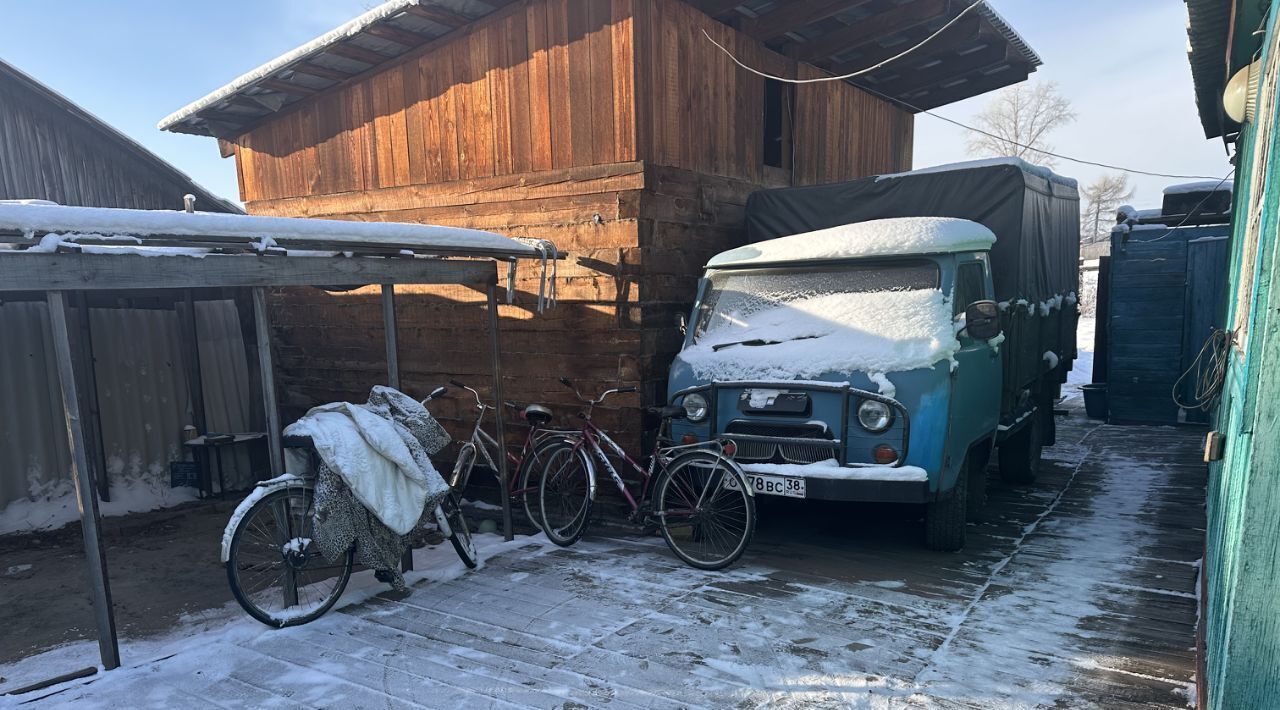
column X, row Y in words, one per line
column 536, row 414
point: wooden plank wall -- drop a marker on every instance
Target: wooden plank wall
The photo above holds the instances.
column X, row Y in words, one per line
column 537, row 86
column 50, row 154
column 699, row 111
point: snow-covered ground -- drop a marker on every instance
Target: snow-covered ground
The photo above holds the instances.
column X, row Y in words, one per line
column 1078, row 592
column 1082, row 370
column 58, row 506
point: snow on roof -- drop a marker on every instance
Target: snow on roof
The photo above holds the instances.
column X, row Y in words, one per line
column 879, row 237
column 1203, row 186
column 1019, row 163
column 872, row 332
column 315, row 46
column 35, row 220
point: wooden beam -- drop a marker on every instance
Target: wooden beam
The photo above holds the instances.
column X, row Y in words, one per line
column 285, row 87
column 912, row 79
column 397, row 35
column 439, row 15
column 90, row 520
column 32, row 272
column 867, row 31
column 262, row 325
column 715, row 8
column 961, row 35
column 86, row 376
column 793, row 16
column 322, row 72
column 359, row 54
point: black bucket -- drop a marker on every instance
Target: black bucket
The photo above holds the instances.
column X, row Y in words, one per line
column 1095, row 400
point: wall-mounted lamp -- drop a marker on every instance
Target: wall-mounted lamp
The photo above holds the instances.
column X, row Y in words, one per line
column 1240, row 99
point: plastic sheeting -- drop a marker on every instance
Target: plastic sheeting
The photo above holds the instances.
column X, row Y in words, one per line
column 142, row 395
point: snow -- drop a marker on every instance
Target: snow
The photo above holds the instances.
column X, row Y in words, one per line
column 1019, row 163
column 59, row 506
column 72, row 223
column 315, row 46
column 882, row 382
column 1051, row 358
column 878, row 237
column 760, row 398
column 881, row 331
column 1082, row 368
column 1202, row 186
column 831, row 470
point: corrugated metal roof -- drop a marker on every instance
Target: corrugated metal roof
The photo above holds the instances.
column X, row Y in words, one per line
column 1208, row 37
column 396, row 27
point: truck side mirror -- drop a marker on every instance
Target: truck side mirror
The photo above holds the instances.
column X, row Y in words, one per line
column 682, row 322
column 982, row 320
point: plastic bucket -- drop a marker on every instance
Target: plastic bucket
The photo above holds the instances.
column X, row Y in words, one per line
column 1095, row 400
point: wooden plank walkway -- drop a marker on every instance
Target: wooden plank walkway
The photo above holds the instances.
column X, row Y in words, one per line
column 1076, row 592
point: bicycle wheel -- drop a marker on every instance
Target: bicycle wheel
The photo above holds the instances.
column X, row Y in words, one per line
column 565, row 495
column 529, row 477
column 462, row 469
column 275, row 570
column 459, row 531
column 704, row 510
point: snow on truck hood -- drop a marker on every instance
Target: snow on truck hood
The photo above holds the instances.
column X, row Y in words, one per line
column 875, row 332
column 900, row 236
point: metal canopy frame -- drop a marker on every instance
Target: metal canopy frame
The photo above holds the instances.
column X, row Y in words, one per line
column 59, row 274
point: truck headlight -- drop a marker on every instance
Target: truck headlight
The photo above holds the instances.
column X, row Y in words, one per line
column 695, row 407
column 875, row 416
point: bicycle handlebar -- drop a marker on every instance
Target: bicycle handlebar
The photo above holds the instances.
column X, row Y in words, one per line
column 457, row 384
column 585, row 400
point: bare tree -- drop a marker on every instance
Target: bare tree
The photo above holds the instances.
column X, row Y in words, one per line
column 1018, row 121
column 1101, row 199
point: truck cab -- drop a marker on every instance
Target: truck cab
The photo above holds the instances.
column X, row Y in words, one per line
column 855, row 363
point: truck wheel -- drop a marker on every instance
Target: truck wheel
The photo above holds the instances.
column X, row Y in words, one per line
column 944, row 520
column 1020, row 453
column 976, row 496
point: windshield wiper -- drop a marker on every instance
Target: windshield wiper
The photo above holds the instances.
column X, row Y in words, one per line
column 759, row 341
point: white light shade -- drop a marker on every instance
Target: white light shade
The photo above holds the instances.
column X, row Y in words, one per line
column 1240, row 97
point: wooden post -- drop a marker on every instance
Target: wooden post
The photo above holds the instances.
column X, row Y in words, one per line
column 82, row 350
column 275, row 445
column 389, row 326
column 188, row 334
column 499, row 410
column 393, row 371
column 90, row 522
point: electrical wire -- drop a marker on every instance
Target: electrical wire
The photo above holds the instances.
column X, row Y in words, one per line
column 1211, row 374
column 851, row 75
column 1190, row 213
column 940, row 117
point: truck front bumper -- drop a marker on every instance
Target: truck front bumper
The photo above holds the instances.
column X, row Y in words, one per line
column 868, row 491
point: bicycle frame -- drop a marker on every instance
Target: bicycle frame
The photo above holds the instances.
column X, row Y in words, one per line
column 486, row 445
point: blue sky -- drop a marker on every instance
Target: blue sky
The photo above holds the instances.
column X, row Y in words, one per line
column 1123, row 64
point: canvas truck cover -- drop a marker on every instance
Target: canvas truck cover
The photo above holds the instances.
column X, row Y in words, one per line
column 1034, row 214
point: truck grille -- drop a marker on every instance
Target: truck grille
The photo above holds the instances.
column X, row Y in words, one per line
column 755, row 451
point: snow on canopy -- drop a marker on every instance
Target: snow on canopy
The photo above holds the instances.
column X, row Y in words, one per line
column 876, row 331
column 112, row 223
column 878, row 237
column 1203, row 186
column 1019, row 163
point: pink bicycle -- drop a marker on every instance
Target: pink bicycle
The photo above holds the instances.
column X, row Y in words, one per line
column 701, row 501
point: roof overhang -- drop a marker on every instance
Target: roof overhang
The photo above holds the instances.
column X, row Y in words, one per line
column 979, row 53
column 1222, row 38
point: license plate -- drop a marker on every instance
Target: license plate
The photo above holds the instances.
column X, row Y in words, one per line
column 789, row 486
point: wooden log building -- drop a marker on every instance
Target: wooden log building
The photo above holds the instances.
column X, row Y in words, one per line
column 613, row 127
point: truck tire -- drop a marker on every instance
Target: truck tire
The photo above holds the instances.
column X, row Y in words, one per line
column 976, row 495
column 944, row 520
column 1020, row 453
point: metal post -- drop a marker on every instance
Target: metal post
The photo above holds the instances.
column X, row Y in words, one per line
column 393, row 372
column 495, row 353
column 90, row 523
column 275, row 446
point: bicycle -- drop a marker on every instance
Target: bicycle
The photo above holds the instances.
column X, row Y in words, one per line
column 537, row 443
column 276, row 572
column 701, row 500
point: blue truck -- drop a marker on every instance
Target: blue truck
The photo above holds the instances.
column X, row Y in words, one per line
column 880, row 340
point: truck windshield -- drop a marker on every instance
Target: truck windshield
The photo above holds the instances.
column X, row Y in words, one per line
column 733, row 296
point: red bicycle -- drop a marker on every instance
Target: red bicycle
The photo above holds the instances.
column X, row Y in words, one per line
column 523, row 483
column 701, row 501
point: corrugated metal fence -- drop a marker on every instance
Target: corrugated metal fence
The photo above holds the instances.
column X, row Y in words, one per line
column 142, row 394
